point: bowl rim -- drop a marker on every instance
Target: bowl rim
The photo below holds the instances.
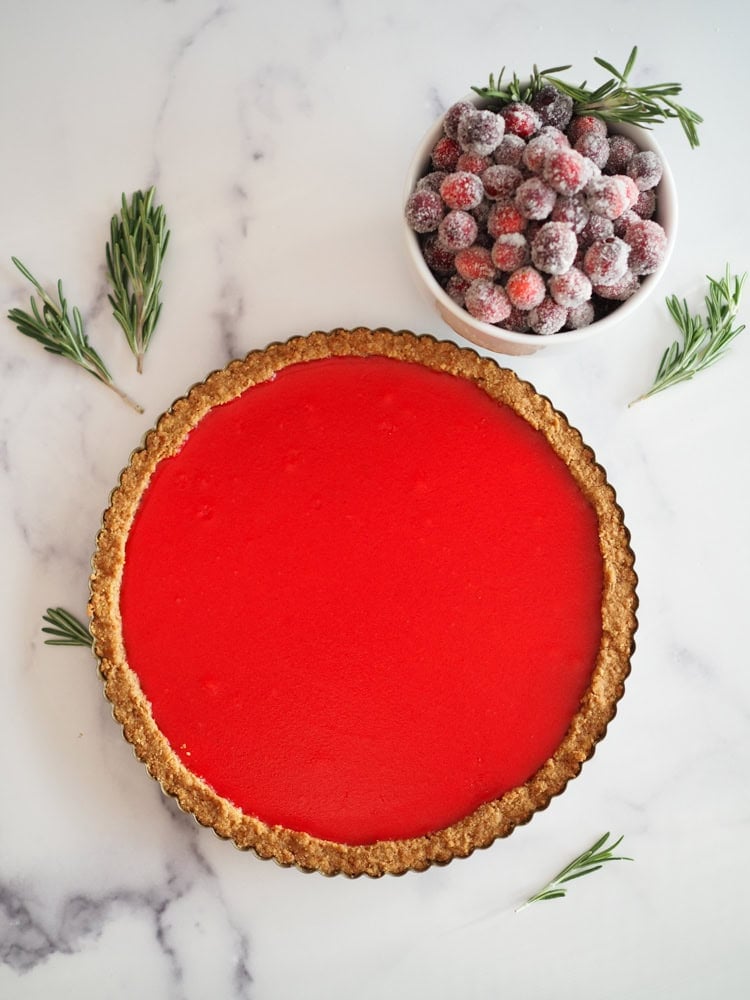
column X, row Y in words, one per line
column 667, row 211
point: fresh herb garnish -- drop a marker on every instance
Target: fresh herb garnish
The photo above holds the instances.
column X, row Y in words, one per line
column 590, row 861
column 704, row 339
column 61, row 333
column 66, row 629
column 616, row 100
column 138, row 242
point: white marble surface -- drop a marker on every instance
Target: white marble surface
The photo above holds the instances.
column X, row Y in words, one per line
column 279, row 135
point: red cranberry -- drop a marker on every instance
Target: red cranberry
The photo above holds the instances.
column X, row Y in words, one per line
column 462, row 190
column 580, row 316
column 606, row 196
column 520, row 119
column 594, row 147
column 648, row 246
column 554, row 248
column 487, row 301
column 620, row 290
column 548, row 317
column 510, row 251
column 525, row 288
column 457, row 230
column 552, row 106
column 570, row 289
column 480, row 132
column 510, row 151
column 500, row 181
column 453, row 116
column 621, row 151
column 581, row 125
column 646, row 169
column 534, row 199
column 424, row 210
column 438, row 258
column 606, row 261
column 565, row 171
column 456, row 287
column 571, row 210
column 473, row 163
column 475, row 262
column 445, row 154
column 505, row 217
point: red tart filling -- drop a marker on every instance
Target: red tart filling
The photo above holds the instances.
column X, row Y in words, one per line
column 363, row 599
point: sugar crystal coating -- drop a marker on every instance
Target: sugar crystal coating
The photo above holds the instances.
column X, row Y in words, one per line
column 456, row 287
column 445, row 154
column 580, row 316
column 554, row 247
column 510, row 151
column 424, row 210
column 501, row 180
column 475, row 262
column 521, row 119
column 473, row 163
column 462, row 190
column 565, row 171
column 487, row 301
column 620, row 290
column 457, row 230
column 593, row 147
column 552, row 106
column 480, row 132
column 586, row 125
column 510, row 251
column 453, row 116
column 534, row 199
column 646, row 169
column 548, row 317
column 606, row 196
column 505, row 217
column 648, row 245
column 570, row 289
column 525, row 288
column 606, row 261
column 621, row 151
column 438, row 258
column 572, row 210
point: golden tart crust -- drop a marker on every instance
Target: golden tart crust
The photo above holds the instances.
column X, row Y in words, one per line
column 490, row 821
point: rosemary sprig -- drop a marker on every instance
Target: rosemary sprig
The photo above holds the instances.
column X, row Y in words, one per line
column 138, row 242
column 590, row 861
column 66, row 629
column 616, row 100
column 61, row 332
column 704, row 339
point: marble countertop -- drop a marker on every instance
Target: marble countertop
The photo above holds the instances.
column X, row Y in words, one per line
column 279, row 136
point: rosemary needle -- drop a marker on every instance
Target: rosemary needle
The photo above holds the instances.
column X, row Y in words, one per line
column 138, row 242
column 616, row 100
column 590, row 861
column 61, row 332
column 704, row 339
column 65, row 629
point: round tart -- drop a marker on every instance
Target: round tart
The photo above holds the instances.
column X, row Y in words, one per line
column 363, row 602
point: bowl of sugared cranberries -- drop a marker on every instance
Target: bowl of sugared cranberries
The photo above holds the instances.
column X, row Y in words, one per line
column 529, row 226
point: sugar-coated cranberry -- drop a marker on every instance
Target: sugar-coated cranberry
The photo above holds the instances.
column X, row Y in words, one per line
column 572, row 210
column 585, row 125
column 525, row 288
column 580, row 316
column 594, row 148
column 552, row 106
column 462, row 190
column 597, row 228
column 456, row 287
column 548, row 317
column 473, row 163
column 504, row 217
column 445, row 153
column 432, row 180
column 537, row 150
column 487, row 301
column 480, row 132
column 534, row 199
column 424, row 210
column 453, row 116
column 437, row 257
column 510, row 151
column 475, row 262
column 621, row 151
column 621, row 224
column 565, row 171
column 554, row 247
column 606, row 196
column 646, row 204
column 521, row 119
column 510, row 251
column 630, row 188
column 606, row 261
column 646, row 169
column 517, row 320
column 620, row 290
column 571, row 288
column 501, row 180
column 457, row 230
column 648, row 246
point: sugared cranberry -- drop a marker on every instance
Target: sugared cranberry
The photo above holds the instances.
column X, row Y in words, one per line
column 474, row 262
column 606, row 261
column 457, row 230
column 510, row 151
column 565, row 171
column 473, row 163
column 445, row 154
column 456, row 287
column 620, row 290
column 646, row 204
column 597, row 228
column 580, row 316
column 510, row 251
column 554, row 247
column 594, row 148
column 437, row 257
column 525, row 288
column 621, row 224
column 548, row 317
column 504, row 217
column 629, row 187
column 534, row 199
column 621, row 151
column 521, row 119
column 480, row 132
column 646, row 169
column 606, row 196
column 487, row 301
column 537, row 150
column 648, row 246
column 453, row 116
column 424, row 210
column 432, row 180
column 517, row 320
column 500, row 181
column 581, row 125
column 462, row 190
column 572, row 210
column 570, row 289
column 552, row 106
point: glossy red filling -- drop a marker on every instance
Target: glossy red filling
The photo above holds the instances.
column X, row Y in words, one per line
column 363, row 599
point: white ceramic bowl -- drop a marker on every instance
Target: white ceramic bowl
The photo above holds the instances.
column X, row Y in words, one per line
column 494, row 338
